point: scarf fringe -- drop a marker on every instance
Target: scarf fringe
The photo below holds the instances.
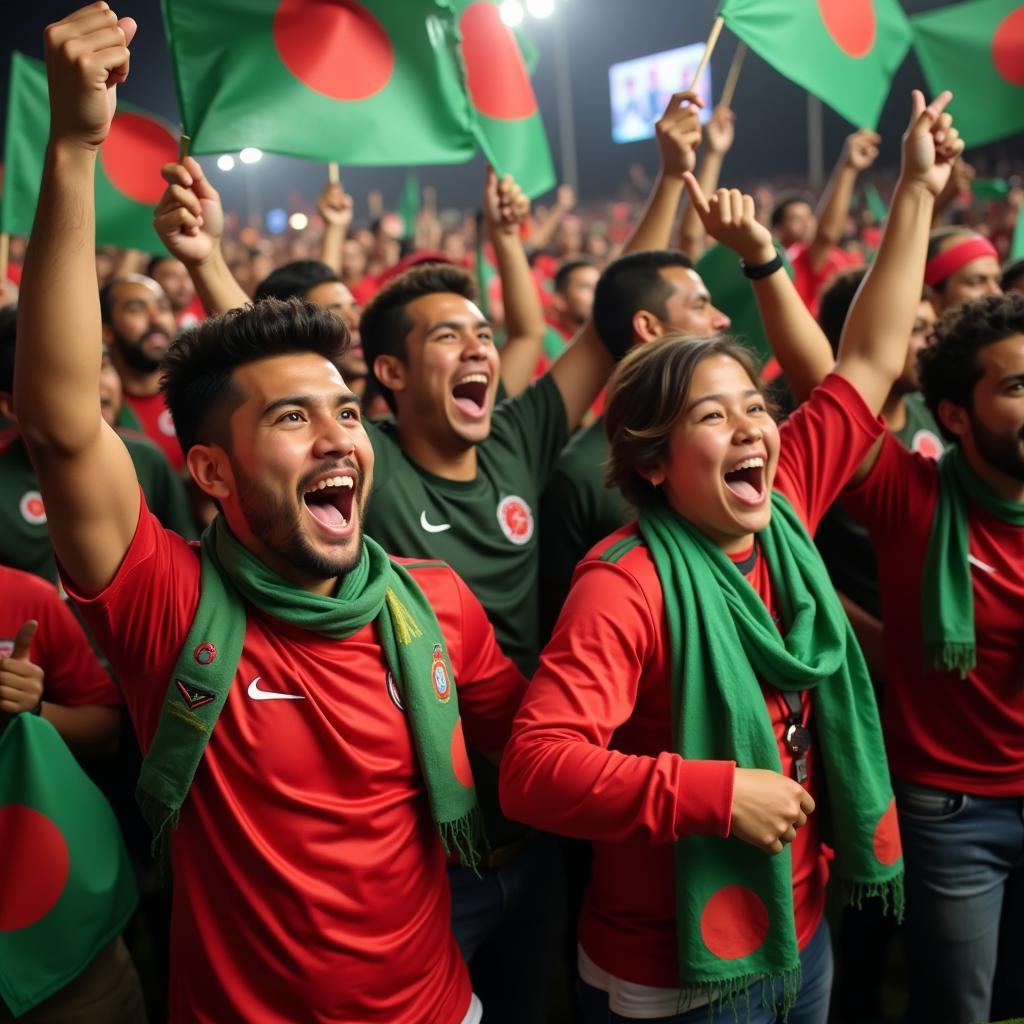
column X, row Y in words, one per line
column 891, row 893
column 727, row 993
column 159, row 817
column 952, row 657
column 466, row 838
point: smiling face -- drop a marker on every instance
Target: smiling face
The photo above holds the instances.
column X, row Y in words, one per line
column 141, row 324
column 973, row 280
column 299, row 470
column 722, row 454
column 445, row 386
column 689, row 309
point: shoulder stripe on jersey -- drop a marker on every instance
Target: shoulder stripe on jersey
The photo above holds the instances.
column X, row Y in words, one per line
column 424, row 565
column 621, row 548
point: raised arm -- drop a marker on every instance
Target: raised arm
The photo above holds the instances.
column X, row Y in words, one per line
column 506, row 207
column 335, row 207
column 859, row 153
column 190, row 221
column 541, row 234
column 719, row 134
column 85, row 474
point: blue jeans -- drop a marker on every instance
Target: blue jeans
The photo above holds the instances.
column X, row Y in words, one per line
column 964, row 857
column 507, row 923
column 811, row 1005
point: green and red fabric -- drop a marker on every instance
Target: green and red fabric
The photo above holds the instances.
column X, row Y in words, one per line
column 66, row 885
column 363, row 83
column 845, row 52
column 128, row 182
column 976, row 49
column 503, row 107
column 1017, row 242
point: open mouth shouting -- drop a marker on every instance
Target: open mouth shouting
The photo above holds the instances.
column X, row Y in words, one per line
column 746, row 480
column 330, row 501
column 470, row 395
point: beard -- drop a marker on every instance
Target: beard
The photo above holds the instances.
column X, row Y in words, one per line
column 998, row 450
column 136, row 356
column 277, row 525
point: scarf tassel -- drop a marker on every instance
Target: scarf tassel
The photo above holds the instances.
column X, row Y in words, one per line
column 952, row 657
column 159, row 817
column 727, row 993
column 466, row 838
column 891, row 893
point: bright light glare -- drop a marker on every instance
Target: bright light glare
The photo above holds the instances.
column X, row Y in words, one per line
column 541, row 8
column 226, row 162
column 251, row 155
column 298, row 221
column 512, row 13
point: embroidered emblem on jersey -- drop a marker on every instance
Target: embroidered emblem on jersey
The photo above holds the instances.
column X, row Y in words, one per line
column 6, row 648
column 925, row 443
column 32, row 509
column 193, row 696
column 515, row 519
column 442, row 685
column 165, row 423
column 205, row 654
column 392, row 687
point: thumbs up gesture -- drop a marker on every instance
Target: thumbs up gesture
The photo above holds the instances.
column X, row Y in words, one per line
column 21, row 682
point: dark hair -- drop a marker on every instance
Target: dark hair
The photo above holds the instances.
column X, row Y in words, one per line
column 8, row 334
column 294, row 280
column 384, row 323
column 646, row 397
column 836, row 300
column 629, row 284
column 197, row 380
column 107, row 292
column 949, row 368
column 780, row 208
column 156, row 261
column 564, row 273
column 1013, row 270
column 937, row 242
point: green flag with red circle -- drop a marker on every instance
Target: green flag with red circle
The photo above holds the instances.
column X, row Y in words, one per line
column 977, row 50
column 128, row 182
column 66, row 885
column 503, row 107
column 845, row 52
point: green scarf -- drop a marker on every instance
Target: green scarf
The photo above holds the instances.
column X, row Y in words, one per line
column 947, row 596
column 375, row 590
column 719, row 713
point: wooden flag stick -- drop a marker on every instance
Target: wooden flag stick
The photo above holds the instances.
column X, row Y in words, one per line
column 709, row 48
column 184, row 141
column 734, row 76
column 5, row 249
column 334, row 173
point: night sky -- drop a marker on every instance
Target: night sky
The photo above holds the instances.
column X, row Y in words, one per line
column 771, row 112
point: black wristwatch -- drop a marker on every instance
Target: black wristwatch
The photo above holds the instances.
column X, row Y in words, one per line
column 758, row 270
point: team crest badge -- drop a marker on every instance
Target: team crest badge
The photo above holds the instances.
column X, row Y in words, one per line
column 6, row 648
column 442, row 684
column 925, row 443
column 396, row 698
column 515, row 519
column 32, row 509
column 205, row 653
column 193, row 696
column 165, row 423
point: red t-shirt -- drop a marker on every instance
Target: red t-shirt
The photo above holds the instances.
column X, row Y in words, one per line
column 591, row 753
column 941, row 730
column 192, row 314
column 158, row 426
column 809, row 281
column 72, row 675
column 309, row 879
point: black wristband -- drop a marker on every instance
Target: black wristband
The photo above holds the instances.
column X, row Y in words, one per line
column 38, row 709
column 758, row 270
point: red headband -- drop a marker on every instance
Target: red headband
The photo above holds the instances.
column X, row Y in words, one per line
column 939, row 267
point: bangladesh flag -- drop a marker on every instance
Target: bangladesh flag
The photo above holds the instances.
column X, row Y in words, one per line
column 977, row 50
column 128, row 182
column 503, row 107
column 365, row 84
column 66, row 887
column 845, row 52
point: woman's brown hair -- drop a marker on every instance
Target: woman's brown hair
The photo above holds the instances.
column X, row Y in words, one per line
column 646, row 397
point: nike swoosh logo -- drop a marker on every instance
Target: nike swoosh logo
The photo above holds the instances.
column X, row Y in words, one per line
column 979, row 563
column 256, row 693
column 430, row 527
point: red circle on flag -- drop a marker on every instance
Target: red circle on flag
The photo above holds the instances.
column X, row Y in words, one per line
column 34, row 863
column 887, row 845
column 133, row 153
column 851, row 24
column 734, row 922
column 1008, row 47
column 460, row 757
column 495, row 73
column 336, row 47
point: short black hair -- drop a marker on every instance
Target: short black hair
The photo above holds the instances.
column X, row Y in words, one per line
column 156, row 261
column 950, row 368
column 836, row 300
column 294, row 280
column 780, row 208
column 198, row 368
column 384, row 323
column 107, row 292
column 564, row 273
column 628, row 284
column 937, row 243
column 8, row 334
column 1013, row 271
